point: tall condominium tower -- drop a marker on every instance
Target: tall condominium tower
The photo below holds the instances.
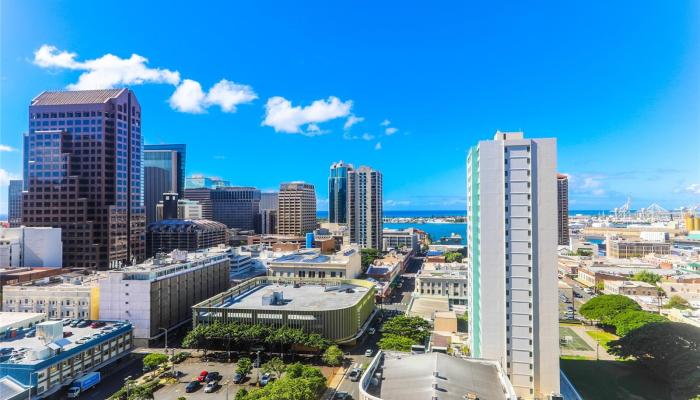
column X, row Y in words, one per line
column 365, row 207
column 14, row 203
column 297, row 209
column 563, row 208
column 512, row 259
column 236, row 206
column 338, row 193
column 84, row 152
column 164, row 172
column 269, row 206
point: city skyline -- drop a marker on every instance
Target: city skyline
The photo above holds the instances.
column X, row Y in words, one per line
column 440, row 91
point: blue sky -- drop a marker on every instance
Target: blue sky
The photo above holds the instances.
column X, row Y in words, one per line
column 261, row 91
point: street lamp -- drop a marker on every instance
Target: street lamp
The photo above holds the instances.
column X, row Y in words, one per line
column 257, row 362
column 127, row 381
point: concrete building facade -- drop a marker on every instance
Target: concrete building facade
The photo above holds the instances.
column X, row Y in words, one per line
column 365, row 207
column 443, row 280
column 183, row 234
column 563, row 209
column 400, row 238
column 297, row 209
column 512, row 259
column 623, row 248
column 310, row 263
column 31, row 247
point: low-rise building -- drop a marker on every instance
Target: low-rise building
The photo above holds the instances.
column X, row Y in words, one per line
column 167, row 235
column 337, row 309
column 628, row 248
column 689, row 317
column 57, row 355
column 629, row 288
column 70, row 295
column 405, row 376
column 159, row 293
column 31, row 247
column 442, row 280
column 310, row 263
column 688, row 291
column 186, row 209
column 10, row 320
column 397, row 239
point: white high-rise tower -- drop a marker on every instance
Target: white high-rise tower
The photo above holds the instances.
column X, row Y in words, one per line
column 512, row 258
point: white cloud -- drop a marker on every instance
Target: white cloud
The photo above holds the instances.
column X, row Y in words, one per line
column 386, row 122
column 4, row 147
column 393, row 203
column 352, row 120
column 378, row 146
column 110, row 71
column 367, row 136
column 390, row 131
column 283, row 117
column 6, row 176
column 693, row 188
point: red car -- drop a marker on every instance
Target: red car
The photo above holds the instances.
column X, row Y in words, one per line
column 202, row 376
column 97, row 324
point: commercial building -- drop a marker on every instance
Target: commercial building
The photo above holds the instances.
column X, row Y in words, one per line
column 200, row 181
column 405, row 376
column 310, row 263
column 164, row 172
column 297, row 209
column 365, row 207
column 84, row 156
column 512, row 259
column 14, row 203
column 269, row 201
column 236, row 206
column 158, row 294
column 183, row 234
column 688, row 291
column 269, row 209
column 624, row 248
column 70, row 295
column 338, row 234
column 186, row 209
column 31, row 247
column 338, row 192
column 47, row 361
column 203, row 197
column 10, row 320
column 563, row 209
column 629, row 288
column 336, row 309
column 443, row 280
column 400, row 238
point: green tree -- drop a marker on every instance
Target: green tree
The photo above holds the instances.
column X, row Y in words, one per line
column 301, row 382
column 244, row 366
column 154, row 360
column 415, row 328
column 630, row 320
column 333, row 356
column 453, row 256
column 274, row 366
column 646, row 276
column 367, row 256
column 604, row 308
column 241, row 394
column 670, row 350
column 599, row 287
column 584, row 252
column 396, row 342
column 678, row 302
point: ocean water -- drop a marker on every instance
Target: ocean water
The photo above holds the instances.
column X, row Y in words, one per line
column 436, row 231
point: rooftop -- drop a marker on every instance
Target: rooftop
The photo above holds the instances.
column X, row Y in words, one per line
column 411, row 377
column 302, row 298
column 310, row 256
column 69, row 97
column 11, row 318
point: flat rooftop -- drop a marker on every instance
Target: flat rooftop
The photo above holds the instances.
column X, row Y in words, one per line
column 11, row 318
column 303, row 298
column 22, row 345
column 410, row 377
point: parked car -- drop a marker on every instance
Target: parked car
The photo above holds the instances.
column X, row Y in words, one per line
column 368, row 353
column 97, row 324
column 202, row 376
column 371, row 331
column 83, row 324
column 211, row 386
column 341, row 396
column 212, row 376
column 355, row 374
column 74, row 323
column 192, row 386
column 67, row 334
column 237, row 378
column 265, row 379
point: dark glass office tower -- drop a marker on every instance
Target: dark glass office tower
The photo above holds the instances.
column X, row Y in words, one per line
column 84, row 173
column 14, row 203
column 236, row 206
column 338, row 192
column 164, row 171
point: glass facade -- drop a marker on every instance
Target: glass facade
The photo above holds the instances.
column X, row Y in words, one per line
column 164, row 171
column 338, row 193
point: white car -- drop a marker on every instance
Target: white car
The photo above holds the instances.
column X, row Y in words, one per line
column 211, row 386
column 371, row 331
column 368, row 353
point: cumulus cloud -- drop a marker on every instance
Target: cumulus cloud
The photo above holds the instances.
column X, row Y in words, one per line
column 283, row 117
column 367, row 136
column 110, row 71
column 693, row 188
column 390, row 131
column 386, row 122
column 378, row 146
column 4, row 147
column 352, row 120
column 6, row 177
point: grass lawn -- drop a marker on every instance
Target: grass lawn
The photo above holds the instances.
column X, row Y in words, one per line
column 599, row 380
column 602, row 337
column 576, row 344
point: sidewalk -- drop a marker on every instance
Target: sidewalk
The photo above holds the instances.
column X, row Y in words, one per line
column 335, row 381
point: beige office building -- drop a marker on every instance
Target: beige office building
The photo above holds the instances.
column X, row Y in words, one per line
column 297, row 209
column 365, row 207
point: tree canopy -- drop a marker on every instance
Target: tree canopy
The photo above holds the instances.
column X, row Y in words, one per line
column 333, row 356
column 605, row 307
column 453, row 256
column 154, row 360
column 301, row 382
column 415, row 328
column 367, row 257
column 244, row 366
column 670, row 350
column 395, row 342
column 630, row 320
column 274, row 366
column 678, row 302
column 646, row 276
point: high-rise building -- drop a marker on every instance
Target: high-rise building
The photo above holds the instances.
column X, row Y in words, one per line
column 201, row 181
column 269, row 205
column 14, row 203
column 164, row 172
column 297, row 209
column 203, row 197
column 512, row 259
column 338, row 192
column 269, row 201
column 84, row 154
column 236, row 206
column 563, row 209
column 365, row 207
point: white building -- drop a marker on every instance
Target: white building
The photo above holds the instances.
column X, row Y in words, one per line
column 310, row 263
column 64, row 296
column 186, row 209
column 512, row 239
column 400, row 238
column 31, row 247
column 365, row 207
column 442, row 280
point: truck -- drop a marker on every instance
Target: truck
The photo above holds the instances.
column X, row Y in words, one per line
column 83, row 383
